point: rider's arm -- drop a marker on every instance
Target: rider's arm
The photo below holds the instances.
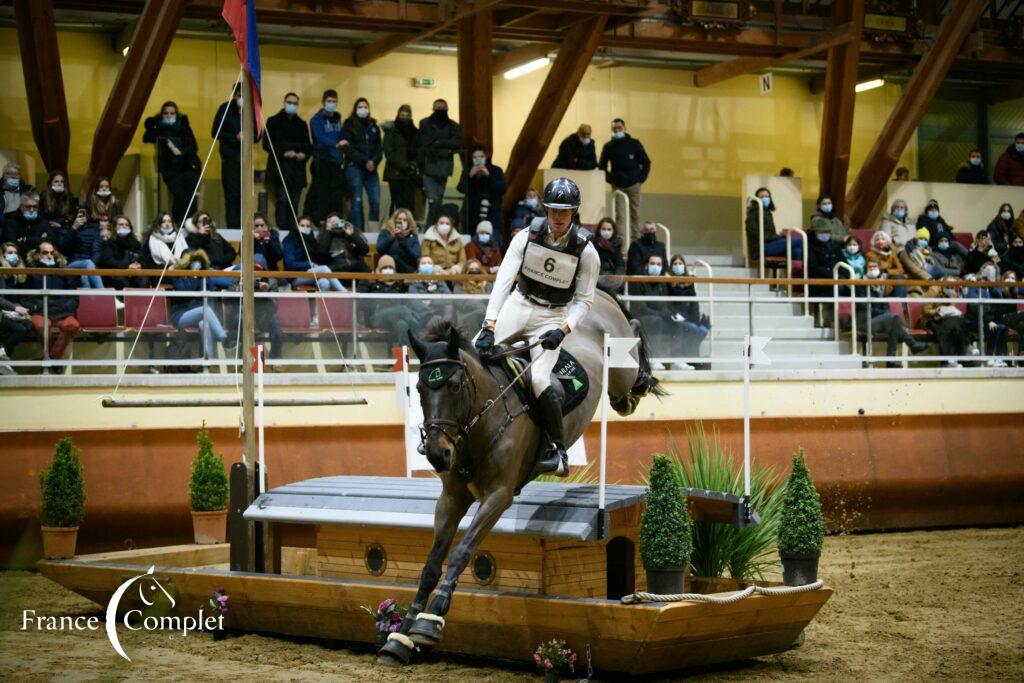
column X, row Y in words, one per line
column 510, row 265
column 586, row 281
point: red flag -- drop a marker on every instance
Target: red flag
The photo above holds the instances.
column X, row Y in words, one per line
column 240, row 15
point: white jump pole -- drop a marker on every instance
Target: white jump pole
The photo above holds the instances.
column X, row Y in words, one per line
column 406, row 400
column 605, row 351
column 746, row 416
column 259, row 416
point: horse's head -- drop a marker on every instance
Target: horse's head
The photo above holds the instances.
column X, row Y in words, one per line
column 446, row 391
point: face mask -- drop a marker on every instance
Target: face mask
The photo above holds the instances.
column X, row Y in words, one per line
column 47, row 261
column 387, row 271
column 443, row 229
column 290, row 108
column 653, row 269
column 57, row 188
column 426, row 269
column 607, row 234
column 922, row 243
column 933, row 214
column 619, row 134
column 532, row 202
column 103, row 193
column 124, row 232
column 873, row 273
column 824, row 236
column 30, row 215
column 238, row 101
column 1006, row 215
column 943, row 246
column 362, row 112
column 900, row 213
column 11, row 183
column 305, row 229
column 330, row 107
column 440, row 115
column 12, row 259
column 166, row 229
column 473, row 272
column 989, row 274
column 483, row 238
column 766, row 202
column 586, row 141
column 648, row 237
column 171, row 121
column 826, row 208
column 479, row 161
column 1019, row 146
column 402, row 224
column 852, row 248
column 975, row 161
column 196, row 266
column 948, row 291
column 881, row 246
column 1010, row 281
column 678, row 269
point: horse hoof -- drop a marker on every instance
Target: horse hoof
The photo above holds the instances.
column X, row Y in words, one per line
column 397, row 650
column 426, row 632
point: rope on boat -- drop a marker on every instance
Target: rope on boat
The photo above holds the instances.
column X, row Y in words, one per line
column 640, row 596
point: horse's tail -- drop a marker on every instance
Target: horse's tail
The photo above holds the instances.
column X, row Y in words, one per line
column 646, row 383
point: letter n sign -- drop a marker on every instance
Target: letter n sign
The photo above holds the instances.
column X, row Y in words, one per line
column 766, row 83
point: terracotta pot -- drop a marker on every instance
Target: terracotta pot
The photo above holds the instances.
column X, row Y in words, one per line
column 799, row 570
column 668, row 580
column 210, row 527
column 59, row 541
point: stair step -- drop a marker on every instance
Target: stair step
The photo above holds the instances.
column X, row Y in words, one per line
column 716, row 260
column 795, row 333
column 762, row 321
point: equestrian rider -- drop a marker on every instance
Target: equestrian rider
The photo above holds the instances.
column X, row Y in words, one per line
column 557, row 268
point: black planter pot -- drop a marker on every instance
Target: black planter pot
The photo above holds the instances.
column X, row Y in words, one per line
column 552, row 675
column 666, row 580
column 799, row 569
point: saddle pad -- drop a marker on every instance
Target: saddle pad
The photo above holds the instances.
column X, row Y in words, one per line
column 574, row 379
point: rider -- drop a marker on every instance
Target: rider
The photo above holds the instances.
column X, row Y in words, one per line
column 557, row 267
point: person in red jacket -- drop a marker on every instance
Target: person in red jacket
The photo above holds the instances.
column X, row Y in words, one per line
column 1010, row 167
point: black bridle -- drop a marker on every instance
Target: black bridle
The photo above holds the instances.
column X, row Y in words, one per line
column 447, row 427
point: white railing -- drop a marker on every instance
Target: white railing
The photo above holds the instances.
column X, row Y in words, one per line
column 711, row 303
column 789, row 262
column 853, row 305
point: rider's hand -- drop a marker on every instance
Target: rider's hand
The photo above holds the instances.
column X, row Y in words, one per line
column 485, row 341
column 552, row 338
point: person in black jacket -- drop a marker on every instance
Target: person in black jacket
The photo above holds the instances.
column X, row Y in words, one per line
column 483, row 183
column 401, row 149
column 933, row 221
column 438, row 141
column 227, row 128
column 626, row 167
column 973, row 172
column 1014, row 257
column 362, row 156
column 287, row 142
column 60, row 309
column 176, row 157
column 1001, row 229
column 345, row 244
column 686, row 314
column 123, row 251
column 609, row 250
column 268, row 242
column 825, row 253
column 25, row 227
column 56, row 202
column 219, row 252
column 640, row 250
column 577, row 151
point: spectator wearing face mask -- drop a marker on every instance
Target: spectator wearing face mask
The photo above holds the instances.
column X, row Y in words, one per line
column 218, row 250
column 825, row 253
column 609, row 250
column 946, row 322
column 123, row 251
column 227, row 128
column 825, row 218
column 641, row 250
column 160, row 245
column 483, row 249
column 400, row 241
column 1014, row 257
column 996, row 333
column 577, row 151
column 186, row 312
column 327, row 189
column 13, row 188
column 895, row 224
column 483, row 183
column 653, row 315
column 426, row 309
column 362, row 157
column 471, row 312
column 102, row 201
column 61, row 309
column 774, row 243
column 853, row 256
column 264, row 312
column 882, row 251
column 916, row 258
column 686, row 314
column 15, row 327
column 1010, row 166
column 56, row 204
column 345, row 244
column 527, row 210
column 973, row 172
column 1000, row 229
column 981, row 253
column 884, row 323
column 302, row 252
column 11, row 259
column 626, row 166
column 1009, row 315
column 443, row 244
column 25, row 227
column 289, row 146
column 440, row 139
column 945, row 257
column 83, row 244
column 401, row 149
column 176, row 157
column 268, row 242
column 902, row 175
column 389, row 314
column 933, row 221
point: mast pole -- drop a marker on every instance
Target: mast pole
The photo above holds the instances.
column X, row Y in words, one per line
column 248, row 312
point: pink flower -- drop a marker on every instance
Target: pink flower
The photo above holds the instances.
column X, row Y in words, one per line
column 548, row 664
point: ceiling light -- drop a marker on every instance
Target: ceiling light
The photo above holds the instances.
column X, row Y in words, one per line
column 527, row 68
column 869, row 85
column 124, row 52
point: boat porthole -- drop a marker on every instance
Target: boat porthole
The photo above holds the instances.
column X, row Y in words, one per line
column 375, row 559
column 484, row 569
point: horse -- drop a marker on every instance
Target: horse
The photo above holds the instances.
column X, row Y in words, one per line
column 484, row 450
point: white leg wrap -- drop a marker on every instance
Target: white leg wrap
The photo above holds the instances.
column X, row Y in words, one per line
column 403, row 639
column 431, row 617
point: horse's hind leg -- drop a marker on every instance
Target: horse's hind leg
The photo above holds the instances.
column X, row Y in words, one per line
column 428, row 627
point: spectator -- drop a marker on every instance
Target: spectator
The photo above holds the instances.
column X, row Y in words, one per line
column 268, row 242
column 160, row 246
column 302, row 252
column 60, row 308
column 399, row 240
column 84, row 245
column 13, row 189
column 973, row 171
column 883, row 252
column 902, row 175
column 996, row 333
column 483, row 249
column 471, row 313
column 483, row 183
column 123, row 251
column 686, row 314
column 1018, row 224
column 527, row 209
column 825, row 218
column 945, row 257
column 1000, row 229
column 1010, row 166
column 102, row 201
column 327, row 190
column 265, row 314
column 15, row 327
column 933, row 221
column 345, row 245
column 774, row 243
column 185, row 312
column 288, row 145
column 626, row 167
column 981, row 253
column 56, row 203
column 640, row 251
column 946, row 321
column 438, row 141
column 218, row 250
column 787, row 172
column 1009, row 315
column 401, row 150
column 390, row 314
column 896, row 225
column 609, row 250
column 825, row 253
column 443, row 244
column 853, row 257
column 11, row 259
column 362, row 156
column 227, row 128
column 426, row 309
column 577, row 152
column 652, row 314
column 916, row 258
column 25, row 228
column 883, row 321
column 1013, row 260
column 176, row 157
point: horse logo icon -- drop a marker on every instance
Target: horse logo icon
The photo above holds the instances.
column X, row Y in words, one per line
column 147, row 584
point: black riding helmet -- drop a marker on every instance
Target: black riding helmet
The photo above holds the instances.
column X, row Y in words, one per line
column 562, row 193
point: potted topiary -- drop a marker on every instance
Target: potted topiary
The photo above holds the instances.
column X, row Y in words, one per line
column 665, row 531
column 208, row 493
column 802, row 528
column 63, row 501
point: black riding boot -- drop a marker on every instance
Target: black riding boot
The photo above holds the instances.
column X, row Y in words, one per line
column 555, row 459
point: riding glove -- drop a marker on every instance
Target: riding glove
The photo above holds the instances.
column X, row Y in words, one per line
column 485, row 342
column 552, row 338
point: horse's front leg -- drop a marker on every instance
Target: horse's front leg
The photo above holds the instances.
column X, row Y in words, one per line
column 429, row 624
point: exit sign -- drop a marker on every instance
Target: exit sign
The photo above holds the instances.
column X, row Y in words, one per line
column 424, row 82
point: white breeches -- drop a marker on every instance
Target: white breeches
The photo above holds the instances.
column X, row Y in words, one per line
column 520, row 319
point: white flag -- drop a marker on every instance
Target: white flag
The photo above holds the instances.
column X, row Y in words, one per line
column 758, row 356
column 618, row 352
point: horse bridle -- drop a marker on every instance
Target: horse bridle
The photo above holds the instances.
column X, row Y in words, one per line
column 444, row 425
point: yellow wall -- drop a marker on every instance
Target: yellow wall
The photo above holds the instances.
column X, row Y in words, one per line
column 701, row 142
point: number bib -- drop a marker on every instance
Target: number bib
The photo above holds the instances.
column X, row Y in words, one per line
column 547, row 266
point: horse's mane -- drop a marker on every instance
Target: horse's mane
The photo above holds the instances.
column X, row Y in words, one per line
column 438, row 328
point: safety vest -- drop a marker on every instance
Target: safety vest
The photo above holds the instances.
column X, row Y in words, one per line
column 549, row 273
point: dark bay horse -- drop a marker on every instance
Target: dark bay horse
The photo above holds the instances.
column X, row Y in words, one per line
column 487, row 453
